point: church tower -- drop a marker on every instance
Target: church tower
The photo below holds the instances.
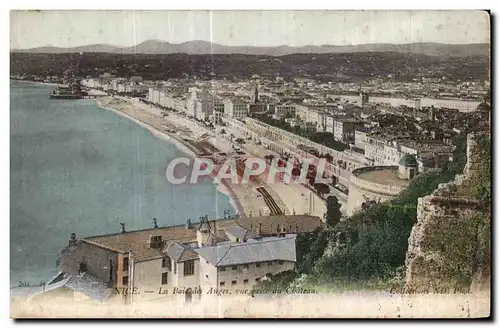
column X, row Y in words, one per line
column 363, row 97
column 256, row 95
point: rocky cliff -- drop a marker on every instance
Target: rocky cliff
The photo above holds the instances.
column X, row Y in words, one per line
column 449, row 245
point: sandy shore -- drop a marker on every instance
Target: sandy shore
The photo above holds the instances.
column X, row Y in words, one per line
column 166, row 130
column 35, row 82
column 183, row 133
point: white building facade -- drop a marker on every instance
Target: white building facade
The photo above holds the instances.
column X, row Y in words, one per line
column 236, row 109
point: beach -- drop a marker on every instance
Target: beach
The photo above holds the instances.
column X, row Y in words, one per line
column 151, row 119
column 184, row 133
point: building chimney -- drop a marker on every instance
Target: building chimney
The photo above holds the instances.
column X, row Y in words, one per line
column 215, row 232
column 110, row 278
column 72, row 239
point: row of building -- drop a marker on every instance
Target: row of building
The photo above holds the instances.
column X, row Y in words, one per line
column 356, row 122
column 119, row 85
column 200, row 104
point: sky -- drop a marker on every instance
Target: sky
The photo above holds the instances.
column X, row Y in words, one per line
column 72, row 28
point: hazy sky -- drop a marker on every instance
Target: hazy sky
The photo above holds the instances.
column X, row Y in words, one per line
column 253, row 28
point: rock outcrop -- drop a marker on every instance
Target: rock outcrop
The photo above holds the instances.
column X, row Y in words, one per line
column 445, row 243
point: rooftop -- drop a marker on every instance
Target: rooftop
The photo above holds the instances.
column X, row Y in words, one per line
column 84, row 283
column 427, row 147
column 180, row 252
column 138, row 241
column 254, row 250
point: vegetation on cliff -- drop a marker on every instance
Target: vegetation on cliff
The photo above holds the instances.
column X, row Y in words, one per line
column 368, row 250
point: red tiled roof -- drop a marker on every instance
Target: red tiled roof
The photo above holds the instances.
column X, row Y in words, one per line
column 138, row 241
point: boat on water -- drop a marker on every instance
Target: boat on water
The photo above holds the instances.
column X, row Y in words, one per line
column 55, row 95
column 68, row 91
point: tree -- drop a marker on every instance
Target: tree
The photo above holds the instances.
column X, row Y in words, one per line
column 222, row 131
column 310, row 248
column 333, row 213
column 321, row 188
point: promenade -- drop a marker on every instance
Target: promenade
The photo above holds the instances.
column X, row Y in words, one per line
column 249, row 201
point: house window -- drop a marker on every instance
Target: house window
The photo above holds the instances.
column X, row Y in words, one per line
column 189, row 268
column 245, row 281
column 166, row 263
column 164, row 278
column 125, row 264
column 245, row 266
column 222, row 283
column 270, row 263
column 222, row 269
column 280, row 262
column 233, row 282
column 234, row 267
column 257, row 265
column 125, row 281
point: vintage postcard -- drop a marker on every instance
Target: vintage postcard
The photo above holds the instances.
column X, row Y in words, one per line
column 250, row 164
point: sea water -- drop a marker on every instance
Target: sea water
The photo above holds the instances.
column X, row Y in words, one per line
column 75, row 167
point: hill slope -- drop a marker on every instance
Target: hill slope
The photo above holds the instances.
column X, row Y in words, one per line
column 330, row 67
column 204, row 47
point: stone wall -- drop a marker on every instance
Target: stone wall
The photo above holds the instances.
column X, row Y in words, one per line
column 361, row 190
column 97, row 260
column 358, row 195
column 443, row 244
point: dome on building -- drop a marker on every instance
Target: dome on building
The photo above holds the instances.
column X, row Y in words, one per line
column 483, row 107
column 408, row 160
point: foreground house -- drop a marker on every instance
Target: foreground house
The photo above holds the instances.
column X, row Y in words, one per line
column 182, row 261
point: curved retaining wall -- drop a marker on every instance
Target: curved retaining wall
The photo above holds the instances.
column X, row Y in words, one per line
column 361, row 190
column 379, row 188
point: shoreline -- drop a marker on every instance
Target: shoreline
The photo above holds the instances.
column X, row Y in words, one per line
column 35, row 82
column 184, row 147
column 247, row 199
column 243, row 200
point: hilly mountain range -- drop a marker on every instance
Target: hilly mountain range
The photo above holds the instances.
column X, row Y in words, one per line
column 204, row 47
